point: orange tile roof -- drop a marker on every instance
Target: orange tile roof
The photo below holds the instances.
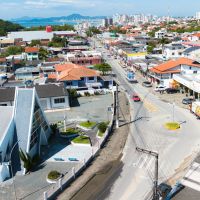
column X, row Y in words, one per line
column 197, row 34
column 52, row 76
column 168, row 66
column 70, row 71
column 76, row 73
column 62, row 67
column 31, row 49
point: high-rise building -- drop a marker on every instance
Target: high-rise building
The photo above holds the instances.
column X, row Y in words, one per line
column 197, row 15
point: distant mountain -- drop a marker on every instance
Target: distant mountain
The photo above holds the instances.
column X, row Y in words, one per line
column 69, row 17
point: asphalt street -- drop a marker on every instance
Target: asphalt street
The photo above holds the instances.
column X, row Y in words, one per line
column 136, row 179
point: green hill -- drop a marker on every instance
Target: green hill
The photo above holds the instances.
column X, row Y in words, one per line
column 6, row 26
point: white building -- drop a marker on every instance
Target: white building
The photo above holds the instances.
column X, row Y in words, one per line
column 173, row 50
column 160, row 34
column 28, row 36
column 197, row 15
column 23, row 127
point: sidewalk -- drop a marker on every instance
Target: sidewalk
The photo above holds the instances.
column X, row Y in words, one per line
column 101, row 171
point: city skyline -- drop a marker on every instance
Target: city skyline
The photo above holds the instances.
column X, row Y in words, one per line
column 50, row 8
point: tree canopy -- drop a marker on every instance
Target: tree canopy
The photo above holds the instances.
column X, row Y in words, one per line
column 6, row 26
column 65, row 27
column 103, row 67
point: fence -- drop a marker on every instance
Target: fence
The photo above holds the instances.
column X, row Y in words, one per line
column 62, row 183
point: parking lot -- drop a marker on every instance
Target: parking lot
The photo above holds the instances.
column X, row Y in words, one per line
column 92, row 108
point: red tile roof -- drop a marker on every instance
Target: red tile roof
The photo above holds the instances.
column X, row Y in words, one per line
column 31, row 49
column 168, row 67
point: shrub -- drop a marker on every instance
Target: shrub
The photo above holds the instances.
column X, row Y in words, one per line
column 102, row 127
column 53, row 175
column 70, row 131
column 54, row 128
column 86, row 94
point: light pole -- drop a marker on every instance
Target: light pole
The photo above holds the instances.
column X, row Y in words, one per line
column 173, row 111
column 156, row 155
column 10, row 163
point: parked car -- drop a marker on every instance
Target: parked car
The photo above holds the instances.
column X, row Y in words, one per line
column 147, row 84
column 164, row 190
column 171, row 90
column 136, row 98
column 160, row 88
column 187, row 101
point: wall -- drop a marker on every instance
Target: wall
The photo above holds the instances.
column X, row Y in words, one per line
column 7, row 139
column 185, row 69
column 60, row 105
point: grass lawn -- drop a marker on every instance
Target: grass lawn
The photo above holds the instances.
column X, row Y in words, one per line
column 81, row 139
column 101, row 134
column 70, row 131
column 88, row 124
column 172, row 125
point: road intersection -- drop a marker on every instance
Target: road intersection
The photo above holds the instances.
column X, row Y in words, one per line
column 136, row 179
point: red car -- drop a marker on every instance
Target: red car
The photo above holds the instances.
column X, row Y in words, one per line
column 136, row 98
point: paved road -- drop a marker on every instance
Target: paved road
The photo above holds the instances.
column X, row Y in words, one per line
column 136, row 178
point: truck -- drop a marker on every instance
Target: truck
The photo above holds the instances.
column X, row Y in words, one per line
column 131, row 77
column 195, row 108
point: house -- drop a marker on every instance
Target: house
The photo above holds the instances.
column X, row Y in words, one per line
column 192, row 52
column 160, row 34
column 23, row 127
column 51, row 96
column 27, row 73
column 164, row 72
column 84, row 58
column 76, row 76
column 173, row 50
column 31, row 53
column 6, row 42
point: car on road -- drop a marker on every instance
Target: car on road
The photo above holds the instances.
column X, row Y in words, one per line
column 136, row 98
column 147, row 84
column 160, row 88
column 187, row 101
column 171, row 90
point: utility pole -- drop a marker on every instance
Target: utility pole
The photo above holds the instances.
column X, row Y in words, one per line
column 155, row 154
column 117, row 106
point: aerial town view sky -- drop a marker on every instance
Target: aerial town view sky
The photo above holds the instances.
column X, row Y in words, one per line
column 95, row 7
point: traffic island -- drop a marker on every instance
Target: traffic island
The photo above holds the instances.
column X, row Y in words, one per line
column 172, row 126
column 81, row 140
column 87, row 125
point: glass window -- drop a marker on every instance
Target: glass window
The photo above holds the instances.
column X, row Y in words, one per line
column 91, row 78
column 59, row 100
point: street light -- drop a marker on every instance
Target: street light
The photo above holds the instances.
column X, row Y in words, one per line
column 10, row 163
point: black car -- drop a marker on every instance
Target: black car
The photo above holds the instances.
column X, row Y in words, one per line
column 147, row 84
column 187, row 101
column 171, row 90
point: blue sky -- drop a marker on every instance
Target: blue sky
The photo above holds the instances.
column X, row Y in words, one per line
column 46, row 8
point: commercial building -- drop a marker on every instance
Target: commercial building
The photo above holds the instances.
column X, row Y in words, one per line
column 165, row 72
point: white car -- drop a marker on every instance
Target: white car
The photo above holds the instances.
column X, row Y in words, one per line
column 160, row 88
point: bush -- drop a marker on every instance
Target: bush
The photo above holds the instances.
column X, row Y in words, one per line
column 102, row 127
column 54, row 128
column 70, row 131
column 86, row 94
column 53, row 175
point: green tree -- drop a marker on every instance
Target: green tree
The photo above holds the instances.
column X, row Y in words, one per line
column 6, row 26
column 103, row 67
column 43, row 54
column 27, row 160
column 14, row 50
column 92, row 31
column 35, row 43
